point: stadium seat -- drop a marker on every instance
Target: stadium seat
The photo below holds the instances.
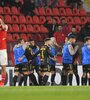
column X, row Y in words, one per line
column 23, row 28
column 41, row 11
column 62, row 12
column 63, row 18
column 15, row 36
column 36, row 20
column 15, row 28
column 7, row 10
column 70, row 20
column 55, row 12
column 29, row 20
column 77, row 20
column 15, row 19
column 8, row 19
column 43, row 29
column 9, row 38
column 22, row 19
column 38, row 38
column 78, row 27
column 88, row 19
column 49, row 12
column 83, row 12
column 36, row 29
column 1, row 10
column 57, row 19
column 69, row 12
column 2, row 17
column 83, row 20
column 75, row 12
column 24, row 36
column 42, row 19
column 70, row 27
column 10, row 28
column 29, row 36
column 61, row 3
column 36, row 11
column 30, row 28
column 14, row 10
column 49, row 20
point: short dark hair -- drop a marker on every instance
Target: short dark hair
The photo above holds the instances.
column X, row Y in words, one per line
column 71, row 36
column 19, row 40
column 86, row 39
column 30, row 40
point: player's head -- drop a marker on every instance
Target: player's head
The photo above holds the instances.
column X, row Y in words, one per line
column 47, row 41
column 59, row 28
column 74, row 30
column 87, row 40
column 31, row 42
column 63, row 21
column 54, row 21
column 71, row 38
column 20, row 41
column 53, row 41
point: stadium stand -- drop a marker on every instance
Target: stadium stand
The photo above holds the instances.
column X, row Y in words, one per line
column 28, row 26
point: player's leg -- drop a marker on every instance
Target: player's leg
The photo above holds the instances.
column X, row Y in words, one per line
column 84, row 76
column 75, row 71
column 25, row 73
column 32, row 77
column 64, row 74
column 53, row 74
column 39, row 72
column 46, row 73
column 16, row 73
column 4, row 62
column 88, row 74
column 70, row 73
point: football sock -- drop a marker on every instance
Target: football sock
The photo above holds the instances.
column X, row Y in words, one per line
column 45, row 79
column 70, row 79
column 77, row 79
column 25, row 80
column 15, row 80
column 52, row 79
column 89, row 81
column 84, row 80
column 21, row 80
column 40, row 79
column 33, row 79
column 3, row 78
column 64, row 79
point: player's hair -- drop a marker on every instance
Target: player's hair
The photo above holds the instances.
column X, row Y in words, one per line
column 30, row 40
column 19, row 40
column 86, row 39
column 47, row 39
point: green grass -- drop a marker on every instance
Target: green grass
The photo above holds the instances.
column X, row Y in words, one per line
column 45, row 93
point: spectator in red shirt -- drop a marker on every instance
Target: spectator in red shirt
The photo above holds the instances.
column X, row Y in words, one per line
column 60, row 37
column 65, row 28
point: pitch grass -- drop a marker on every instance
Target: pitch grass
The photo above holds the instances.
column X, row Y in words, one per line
column 45, row 93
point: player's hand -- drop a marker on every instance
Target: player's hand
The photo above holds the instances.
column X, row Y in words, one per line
column 77, row 47
column 20, row 59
